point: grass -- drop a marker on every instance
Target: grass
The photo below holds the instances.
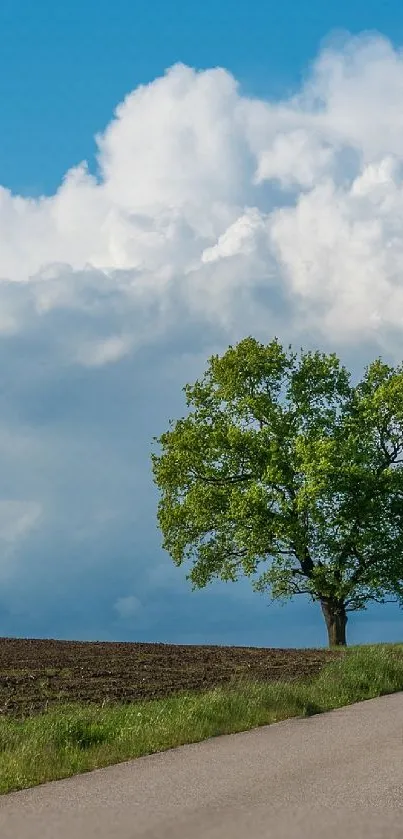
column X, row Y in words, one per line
column 71, row 738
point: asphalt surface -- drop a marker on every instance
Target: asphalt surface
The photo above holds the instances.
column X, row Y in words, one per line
column 337, row 775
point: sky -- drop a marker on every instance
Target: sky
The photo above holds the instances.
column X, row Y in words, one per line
column 174, row 177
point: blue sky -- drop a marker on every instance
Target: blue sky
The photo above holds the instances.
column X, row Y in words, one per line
column 64, row 67
column 264, row 198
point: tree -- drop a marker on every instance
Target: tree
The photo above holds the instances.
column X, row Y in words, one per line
column 311, row 487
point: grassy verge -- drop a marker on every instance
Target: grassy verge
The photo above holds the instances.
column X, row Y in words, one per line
column 77, row 738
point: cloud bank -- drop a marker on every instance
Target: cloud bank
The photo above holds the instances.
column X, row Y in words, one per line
column 212, row 215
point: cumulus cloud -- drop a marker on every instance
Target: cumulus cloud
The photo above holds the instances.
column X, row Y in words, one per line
column 212, row 215
column 187, row 170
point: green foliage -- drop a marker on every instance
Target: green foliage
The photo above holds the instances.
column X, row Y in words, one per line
column 283, row 463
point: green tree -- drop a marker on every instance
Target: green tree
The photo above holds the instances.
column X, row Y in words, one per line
column 285, row 463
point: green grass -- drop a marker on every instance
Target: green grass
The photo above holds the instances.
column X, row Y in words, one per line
column 74, row 738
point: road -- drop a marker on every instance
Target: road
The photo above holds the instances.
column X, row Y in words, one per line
column 337, row 775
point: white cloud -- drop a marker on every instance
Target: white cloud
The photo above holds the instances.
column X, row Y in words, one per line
column 102, row 352
column 187, row 169
column 243, row 237
column 17, row 518
column 212, row 216
column 296, row 158
column 128, row 606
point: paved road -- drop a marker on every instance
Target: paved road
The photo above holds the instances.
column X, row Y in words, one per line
column 337, row 775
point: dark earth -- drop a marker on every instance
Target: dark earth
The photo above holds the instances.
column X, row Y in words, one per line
column 36, row 674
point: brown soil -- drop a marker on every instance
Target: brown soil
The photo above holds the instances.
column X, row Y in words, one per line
column 37, row 674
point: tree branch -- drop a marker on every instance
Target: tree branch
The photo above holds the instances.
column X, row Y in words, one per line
column 390, row 457
column 365, row 598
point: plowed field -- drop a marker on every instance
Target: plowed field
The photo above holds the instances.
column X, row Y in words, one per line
column 37, row 674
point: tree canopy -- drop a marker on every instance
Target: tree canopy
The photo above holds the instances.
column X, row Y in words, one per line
column 283, row 466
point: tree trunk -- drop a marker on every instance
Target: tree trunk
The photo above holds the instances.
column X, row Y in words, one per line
column 334, row 612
